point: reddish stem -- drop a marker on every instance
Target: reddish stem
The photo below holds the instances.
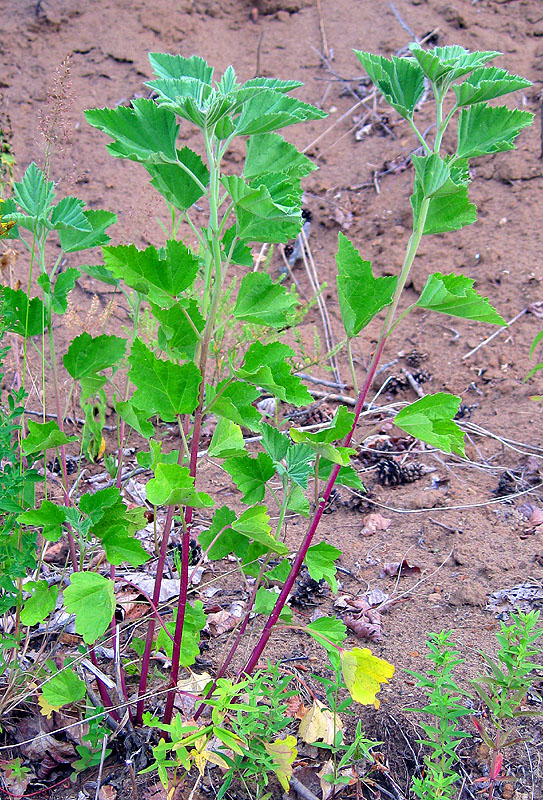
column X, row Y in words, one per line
column 297, row 565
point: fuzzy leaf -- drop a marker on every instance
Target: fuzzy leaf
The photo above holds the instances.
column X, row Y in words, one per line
column 263, row 302
column 21, row 315
column 220, row 529
column 134, row 417
column 450, row 62
column 486, row 129
column 161, row 275
column 163, row 387
column 174, row 485
column 146, row 132
column 34, row 194
column 319, row 561
column 486, row 83
column 64, row 688
column 299, row 463
column 431, row 419
column 269, row 152
column 298, row 502
column 251, row 475
column 361, row 296
column 63, row 286
column 166, row 65
column 87, row 356
column 91, row 597
column 175, row 184
column 68, row 213
column 43, row 436
column 270, row 110
column 400, row 80
column 454, row 295
column 275, row 443
column 41, row 603
column 73, row 239
column 364, row 673
column 283, row 753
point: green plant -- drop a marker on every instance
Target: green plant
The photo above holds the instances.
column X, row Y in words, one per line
column 442, row 735
column 503, row 690
column 198, row 295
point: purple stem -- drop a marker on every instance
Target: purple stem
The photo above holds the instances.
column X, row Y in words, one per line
column 297, row 565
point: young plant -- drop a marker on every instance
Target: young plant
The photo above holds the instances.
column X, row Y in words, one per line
column 443, row 736
column 503, row 690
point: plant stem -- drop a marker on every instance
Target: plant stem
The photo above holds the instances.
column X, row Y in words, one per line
column 411, row 251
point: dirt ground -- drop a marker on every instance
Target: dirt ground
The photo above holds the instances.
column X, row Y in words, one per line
column 464, row 523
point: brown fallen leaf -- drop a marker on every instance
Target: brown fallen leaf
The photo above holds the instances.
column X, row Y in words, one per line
column 535, row 519
column 366, row 625
column 393, row 568
column 107, row 792
column 375, row 522
column 224, row 620
column 44, row 750
column 295, row 707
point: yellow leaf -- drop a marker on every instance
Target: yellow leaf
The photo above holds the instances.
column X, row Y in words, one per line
column 101, row 449
column 283, row 753
column 46, row 708
column 318, row 723
column 364, row 673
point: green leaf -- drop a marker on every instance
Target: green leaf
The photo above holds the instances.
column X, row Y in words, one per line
column 347, row 476
column 221, row 530
column 298, row 502
column 120, row 547
column 269, row 152
column 265, row 601
column 275, row 443
column 68, row 213
column 361, row 296
column 91, row 597
column 263, row 302
column 175, row 184
column 63, row 286
column 40, row 604
column 268, row 210
column 319, row 560
column 400, row 80
column 241, row 254
column 484, row 129
column 174, row 485
column 155, row 456
column 265, row 366
column 486, row 83
column 332, row 629
column 166, row 65
column 280, row 572
column 48, row 516
column 251, row 475
column 448, row 213
column 254, row 524
column 270, row 110
column 161, row 274
column 43, row 436
column 134, row 417
column 146, row 132
column 95, row 505
column 438, row 178
column 100, row 273
column 163, row 387
column 72, row 239
column 227, row 440
column 299, row 463
column 34, row 194
column 64, row 688
column 234, row 401
column 431, row 419
column 178, row 327
column 338, row 428
column 21, row 315
column 454, row 295
column 89, row 355
column 451, row 62
column 193, row 623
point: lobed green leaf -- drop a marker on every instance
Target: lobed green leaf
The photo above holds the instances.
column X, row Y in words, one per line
column 454, row 295
column 431, row 419
column 400, row 80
